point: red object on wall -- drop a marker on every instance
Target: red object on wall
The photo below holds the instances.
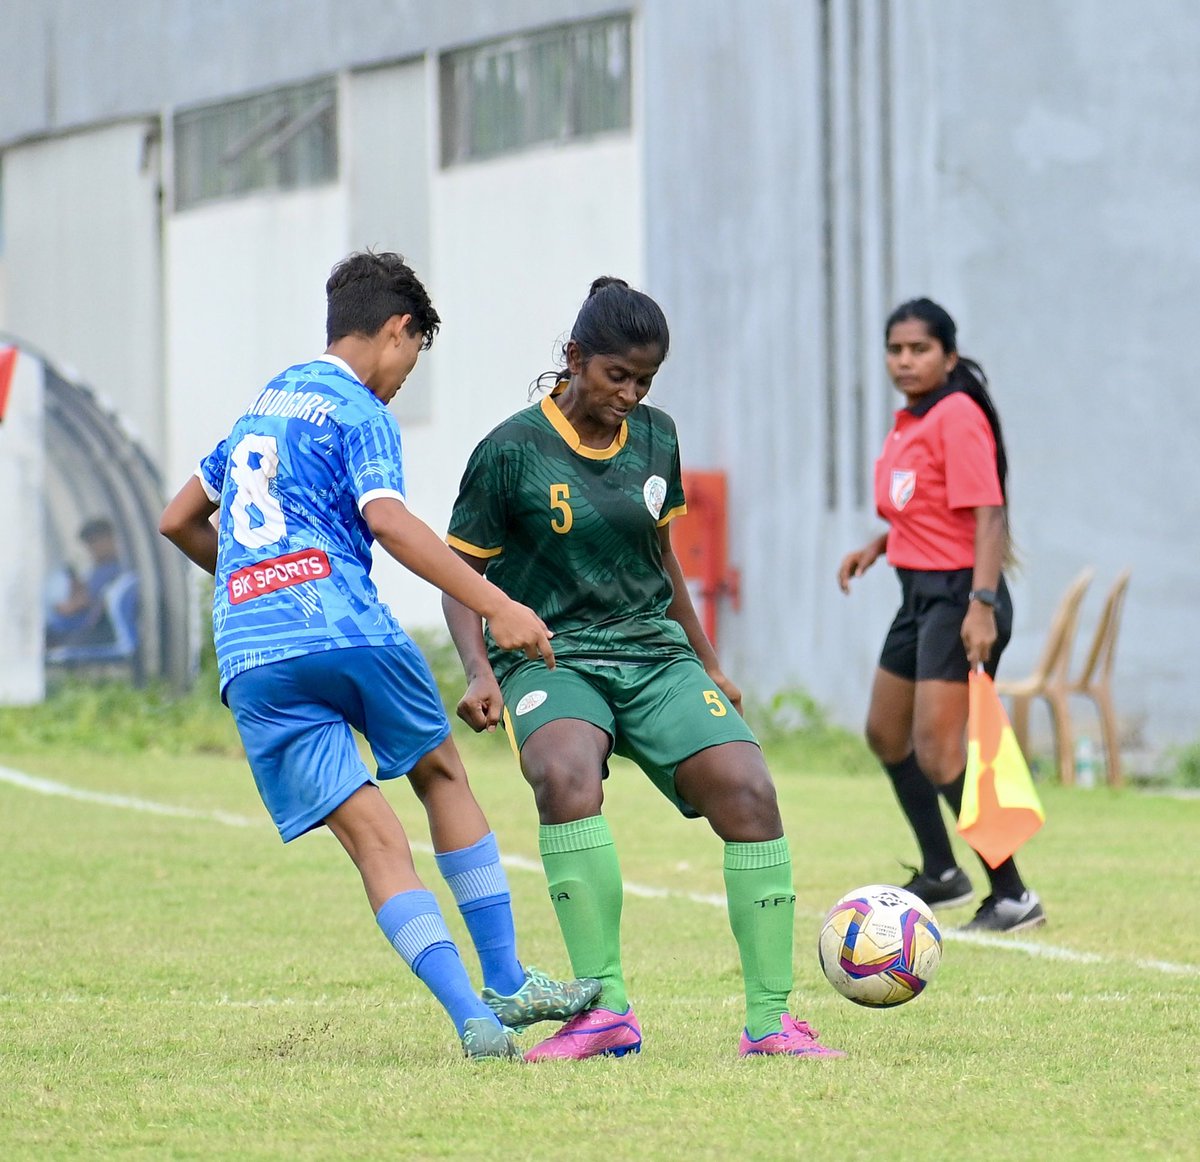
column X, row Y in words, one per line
column 8, row 361
column 700, row 540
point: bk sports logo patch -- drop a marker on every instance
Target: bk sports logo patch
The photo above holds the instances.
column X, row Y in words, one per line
column 904, row 484
column 277, row 573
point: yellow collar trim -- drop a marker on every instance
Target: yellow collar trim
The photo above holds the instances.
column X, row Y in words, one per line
column 563, row 427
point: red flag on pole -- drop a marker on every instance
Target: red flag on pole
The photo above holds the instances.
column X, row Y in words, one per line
column 8, row 361
column 1000, row 807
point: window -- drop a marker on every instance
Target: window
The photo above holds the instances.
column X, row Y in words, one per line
column 557, row 85
column 282, row 140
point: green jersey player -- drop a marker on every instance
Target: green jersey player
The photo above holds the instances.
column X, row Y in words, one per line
column 567, row 507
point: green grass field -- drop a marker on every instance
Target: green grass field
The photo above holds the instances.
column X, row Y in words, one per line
column 179, row 985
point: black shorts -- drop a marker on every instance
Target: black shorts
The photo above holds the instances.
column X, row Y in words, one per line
column 925, row 639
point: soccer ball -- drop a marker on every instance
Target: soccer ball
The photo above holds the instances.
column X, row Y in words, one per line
column 879, row 946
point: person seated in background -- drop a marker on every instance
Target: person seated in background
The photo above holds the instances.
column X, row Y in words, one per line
column 81, row 616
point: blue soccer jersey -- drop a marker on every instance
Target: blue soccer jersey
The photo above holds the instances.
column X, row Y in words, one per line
column 294, row 552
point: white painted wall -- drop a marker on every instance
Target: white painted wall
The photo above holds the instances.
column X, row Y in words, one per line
column 245, row 298
column 81, row 228
column 245, row 286
column 385, row 146
column 516, row 243
column 22, row 676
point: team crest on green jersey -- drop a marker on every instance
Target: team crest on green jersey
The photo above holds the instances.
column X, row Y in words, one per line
column 654, row 492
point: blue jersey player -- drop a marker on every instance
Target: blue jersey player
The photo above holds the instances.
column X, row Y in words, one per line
column 307, row 479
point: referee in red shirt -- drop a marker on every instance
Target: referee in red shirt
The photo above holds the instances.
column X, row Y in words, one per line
column 940, row 485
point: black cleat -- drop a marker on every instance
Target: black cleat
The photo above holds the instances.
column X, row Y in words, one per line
column 1007, row 915
column 948, row 890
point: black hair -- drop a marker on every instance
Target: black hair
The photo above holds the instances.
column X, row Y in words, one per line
column 366, row 289
column 96, row 529
column 614, row 319
column 967, row 375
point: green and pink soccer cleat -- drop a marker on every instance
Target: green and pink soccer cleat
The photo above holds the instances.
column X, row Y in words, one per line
column 795, row 1039
column 594, row 1033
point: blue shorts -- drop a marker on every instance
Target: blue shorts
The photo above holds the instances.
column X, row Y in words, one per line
column 295, row 716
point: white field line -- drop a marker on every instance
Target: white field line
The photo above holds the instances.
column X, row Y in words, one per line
column 521, row 863
column 222, row 1002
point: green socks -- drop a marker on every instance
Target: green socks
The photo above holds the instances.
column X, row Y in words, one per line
column 762, row 908
column 585, row 887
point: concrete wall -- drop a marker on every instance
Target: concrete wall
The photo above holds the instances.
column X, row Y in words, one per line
column 1061, row 223
column 1034, row 166
column 245, row 284
column 578, row 209
column 797, row 166
column 387, row 134
column 757, row 271
column 22, row 629
column 82, row 256
column 245, row 298
column 75, row 62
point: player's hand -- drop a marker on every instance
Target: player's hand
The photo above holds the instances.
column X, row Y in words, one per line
column 481, row 706
column 979, row 633
column 517, row 627
column 855, row 565
column 728, row 687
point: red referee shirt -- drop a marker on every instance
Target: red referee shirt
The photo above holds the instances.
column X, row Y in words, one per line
column 937, row 466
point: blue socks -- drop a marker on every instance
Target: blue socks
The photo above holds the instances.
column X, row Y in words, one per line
column 414, row 927
column 480, row 889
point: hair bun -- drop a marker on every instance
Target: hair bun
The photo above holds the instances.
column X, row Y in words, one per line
column 606, row 280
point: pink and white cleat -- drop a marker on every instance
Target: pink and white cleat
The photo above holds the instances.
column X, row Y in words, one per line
column 592, row 1033
column 796, row 1039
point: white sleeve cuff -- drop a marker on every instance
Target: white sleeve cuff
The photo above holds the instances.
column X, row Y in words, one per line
column 376, row 493
column 209, row 491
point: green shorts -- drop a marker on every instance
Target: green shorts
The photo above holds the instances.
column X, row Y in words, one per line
column 655, row 713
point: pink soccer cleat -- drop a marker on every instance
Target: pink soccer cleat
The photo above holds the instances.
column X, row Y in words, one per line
column 796, row 1039
column 592, row 1033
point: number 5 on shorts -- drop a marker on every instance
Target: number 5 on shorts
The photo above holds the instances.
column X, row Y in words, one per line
column 715, row 706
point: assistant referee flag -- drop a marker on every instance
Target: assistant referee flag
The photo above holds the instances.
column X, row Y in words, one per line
column 1000, row 807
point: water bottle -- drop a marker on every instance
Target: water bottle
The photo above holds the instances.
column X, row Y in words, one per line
column 1085, row 763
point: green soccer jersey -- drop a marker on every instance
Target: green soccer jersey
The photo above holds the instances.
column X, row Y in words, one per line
column 572, row 531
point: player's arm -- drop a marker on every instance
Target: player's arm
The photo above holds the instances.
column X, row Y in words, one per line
column 419, row 549
column 979, row 631
column 683, row 611
column 482, row 704
column 857, row 563
column 187, row 523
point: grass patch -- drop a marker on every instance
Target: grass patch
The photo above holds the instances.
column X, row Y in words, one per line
column 188, row 988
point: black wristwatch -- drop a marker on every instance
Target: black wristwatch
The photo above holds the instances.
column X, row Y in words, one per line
column 983, row 596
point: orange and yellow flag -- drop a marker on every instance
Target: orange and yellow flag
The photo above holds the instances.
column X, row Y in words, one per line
column 1000, row 807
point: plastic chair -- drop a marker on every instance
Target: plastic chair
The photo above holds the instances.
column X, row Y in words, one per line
column 1095, row 678
column 1050, row 680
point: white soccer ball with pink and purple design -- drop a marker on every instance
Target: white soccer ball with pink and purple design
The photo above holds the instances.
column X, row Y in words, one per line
column 879, row 946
